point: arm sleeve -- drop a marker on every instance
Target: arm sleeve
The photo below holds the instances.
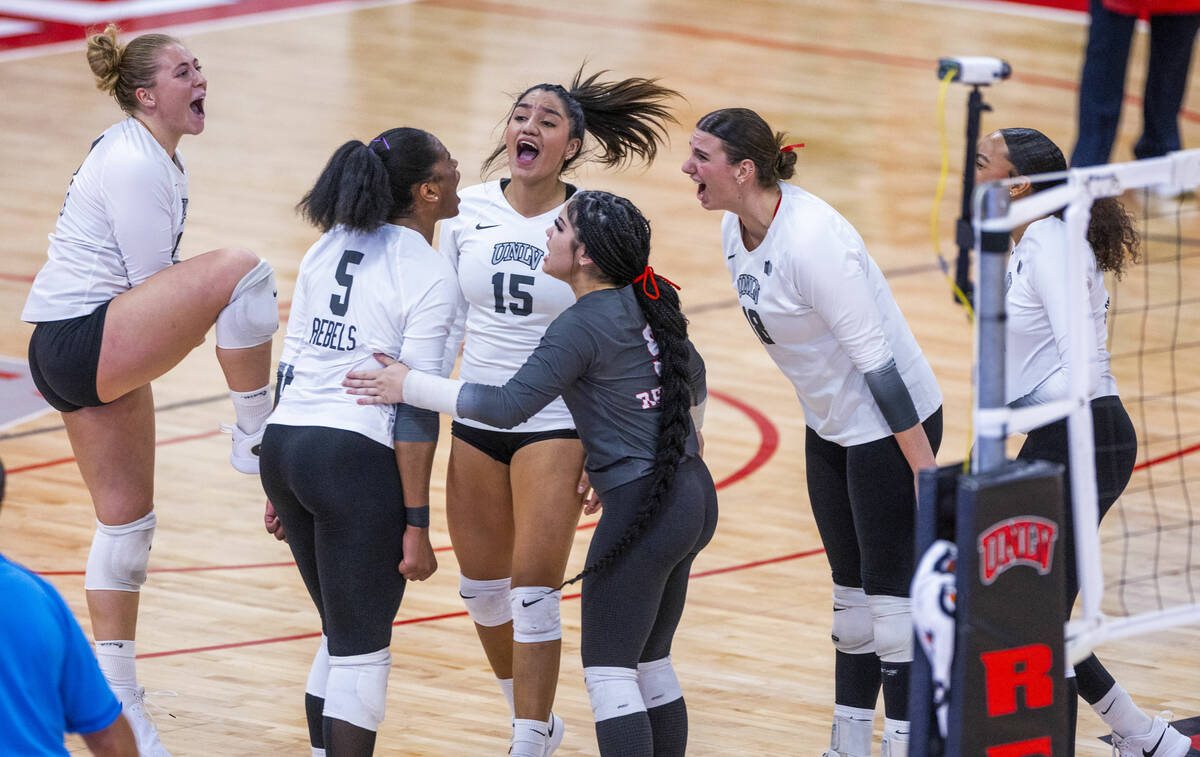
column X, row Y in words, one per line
column 88, row 703
column 892, row 397
column 832, row 276
column 566, row 351
column 425, row 336
column 138, row 195
column 1050, row 282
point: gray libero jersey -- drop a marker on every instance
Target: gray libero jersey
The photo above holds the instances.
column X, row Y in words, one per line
column 601, row 357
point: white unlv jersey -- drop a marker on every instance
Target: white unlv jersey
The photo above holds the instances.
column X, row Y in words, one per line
column 823, row 310
column 120, row 223
column 357, row 294
column 1039, row 318
column 509, row 302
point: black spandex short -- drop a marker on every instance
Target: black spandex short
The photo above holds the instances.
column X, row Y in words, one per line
column 64, row 357
column 502, row 445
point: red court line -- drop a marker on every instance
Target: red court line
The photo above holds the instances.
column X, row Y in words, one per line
column 768, row 443
column 448, row 615
column 16, row 277
column 63, row 460
column 1167, row 457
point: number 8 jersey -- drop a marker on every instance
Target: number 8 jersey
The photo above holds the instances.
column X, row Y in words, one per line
column 507, row 300
column 824, row 312
column 358, row 293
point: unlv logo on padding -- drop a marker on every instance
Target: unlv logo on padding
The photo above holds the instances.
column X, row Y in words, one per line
column 1027, row 540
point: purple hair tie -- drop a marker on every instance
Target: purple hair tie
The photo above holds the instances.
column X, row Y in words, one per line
column 384, row 141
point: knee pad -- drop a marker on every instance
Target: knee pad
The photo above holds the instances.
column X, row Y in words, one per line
column 535, row 614
column 657, row 682
column 252, row 315
column 852, row 627
column 120, row 555
column 318, row 674
column 356, row 690
column 613, row 692
column 486, row 601
column 891, row 620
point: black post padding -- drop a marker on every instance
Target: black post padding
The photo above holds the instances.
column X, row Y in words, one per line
column 1007, row 682
column 935, row 520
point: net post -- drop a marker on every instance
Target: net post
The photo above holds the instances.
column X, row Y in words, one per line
column 989, row 306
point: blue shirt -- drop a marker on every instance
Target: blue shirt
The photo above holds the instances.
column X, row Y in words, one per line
column 50, row 681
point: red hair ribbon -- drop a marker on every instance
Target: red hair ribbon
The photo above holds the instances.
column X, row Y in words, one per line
column 789, row 148
column 649, row 277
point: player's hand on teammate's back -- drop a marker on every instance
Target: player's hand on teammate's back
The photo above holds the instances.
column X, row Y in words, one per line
column 380, row 386
column 419, row 560
column 272, row 523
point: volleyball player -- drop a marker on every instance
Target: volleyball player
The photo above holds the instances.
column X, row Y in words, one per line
column 511, row 500
column 115, row 309
column 356, row 513
column 1036, row 356
column 820, row 306
column 621, row 359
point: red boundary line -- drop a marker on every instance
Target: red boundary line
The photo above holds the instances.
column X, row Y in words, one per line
column 1167, row 457
column 448, row 615
column 768, row 444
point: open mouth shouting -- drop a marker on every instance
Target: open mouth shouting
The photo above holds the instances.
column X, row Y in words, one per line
column 527, row 152
column 197, row 106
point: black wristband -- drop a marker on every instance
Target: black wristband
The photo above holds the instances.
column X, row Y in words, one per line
column 418, row 517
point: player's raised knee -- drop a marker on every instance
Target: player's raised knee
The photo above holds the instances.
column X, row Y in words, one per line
column 251, row 316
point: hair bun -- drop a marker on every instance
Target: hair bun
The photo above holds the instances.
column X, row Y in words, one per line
column 104, row 53
column 785, row 164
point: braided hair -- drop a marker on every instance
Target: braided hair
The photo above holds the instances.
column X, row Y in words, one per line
column 1111, row 232
column 617, row 238
column 628, row 118
column 363, row 186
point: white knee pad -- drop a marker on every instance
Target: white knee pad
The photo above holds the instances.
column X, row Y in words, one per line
column 535, row 614
column 318, row 674
column 356, row 690
column 252, row 315
column 657, row 682
column 120, row 555
column 852, row 631
column 486, row 601
column 891, row 619
column 613, row 692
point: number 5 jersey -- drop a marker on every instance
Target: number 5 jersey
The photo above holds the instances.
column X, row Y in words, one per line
column 358, row 293
column 507, row 300
column 823, row 310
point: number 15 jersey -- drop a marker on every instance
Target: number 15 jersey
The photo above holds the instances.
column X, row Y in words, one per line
column 507, row 300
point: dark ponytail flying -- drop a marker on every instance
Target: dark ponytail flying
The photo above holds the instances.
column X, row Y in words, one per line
column 617, row 238
column 1111, row 233
column 628, row 118
column 363, row 186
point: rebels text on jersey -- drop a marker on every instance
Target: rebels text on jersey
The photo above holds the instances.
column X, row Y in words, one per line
column 507, row 300
column 356, row 294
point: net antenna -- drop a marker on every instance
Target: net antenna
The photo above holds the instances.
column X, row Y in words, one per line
column 996, row 217
column 977, row 72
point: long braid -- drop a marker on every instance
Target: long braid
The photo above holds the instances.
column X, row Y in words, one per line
column 617, row 238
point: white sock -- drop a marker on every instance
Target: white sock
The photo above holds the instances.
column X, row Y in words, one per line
column 529, row 738
column 506, row 688
column 117, row 658
column 1119, row 712
column 252, row 408
column 857, row 728
column 317, row 752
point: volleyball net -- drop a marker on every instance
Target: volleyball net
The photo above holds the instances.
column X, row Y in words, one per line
column 1140, row 571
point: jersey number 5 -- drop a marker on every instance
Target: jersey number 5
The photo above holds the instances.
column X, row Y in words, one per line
column 757, row 324
column 515, row 282
column 340, row 303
